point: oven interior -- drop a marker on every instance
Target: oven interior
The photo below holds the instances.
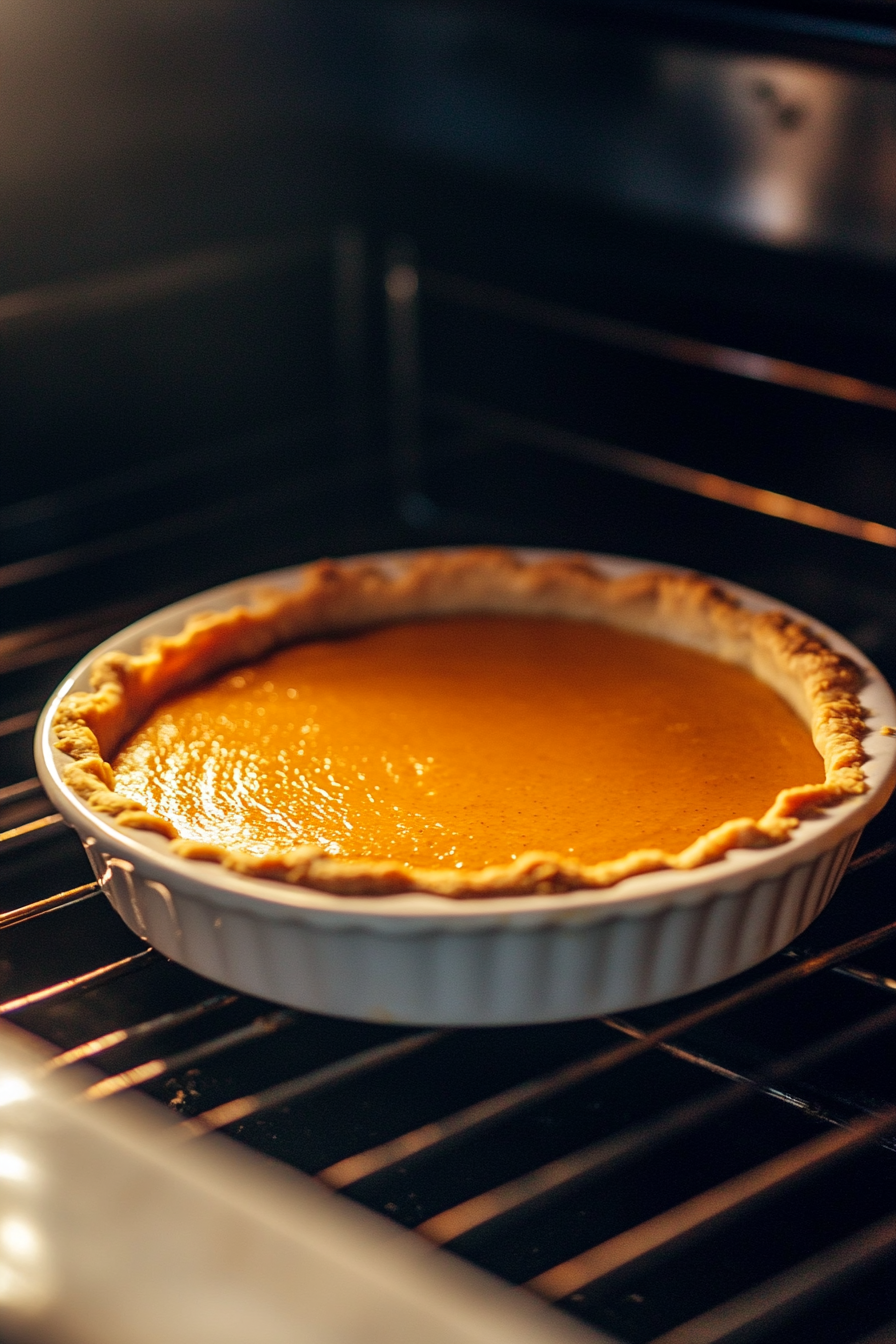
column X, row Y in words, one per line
column 368, row 290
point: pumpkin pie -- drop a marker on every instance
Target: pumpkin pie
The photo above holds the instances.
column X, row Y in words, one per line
column 470, row 723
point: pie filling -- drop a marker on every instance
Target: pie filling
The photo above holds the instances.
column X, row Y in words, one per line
column 468, row 741
column 469, row 723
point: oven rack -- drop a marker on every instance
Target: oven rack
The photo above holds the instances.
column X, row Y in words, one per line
column 718, row 1168
column 773, row 1129
column 404, row 442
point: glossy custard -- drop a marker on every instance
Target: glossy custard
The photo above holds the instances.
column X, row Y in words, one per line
column 466, row 741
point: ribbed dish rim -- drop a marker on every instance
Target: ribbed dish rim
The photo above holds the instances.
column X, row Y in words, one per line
column 641, row 895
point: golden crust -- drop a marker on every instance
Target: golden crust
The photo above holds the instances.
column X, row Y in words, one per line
column 688, row 609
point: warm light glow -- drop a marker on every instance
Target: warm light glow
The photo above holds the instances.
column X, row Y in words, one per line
column 13, row 1088
column 20, row 1240
column 14, row 1167
column 402, row 283
column 26, row 1283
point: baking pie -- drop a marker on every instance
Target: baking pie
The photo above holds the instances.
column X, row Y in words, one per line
column 470, row 723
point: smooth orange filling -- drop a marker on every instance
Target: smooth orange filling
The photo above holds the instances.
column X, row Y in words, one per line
column 466, row 741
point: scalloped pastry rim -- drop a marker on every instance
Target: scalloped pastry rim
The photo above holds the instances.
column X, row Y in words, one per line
column 331, row 596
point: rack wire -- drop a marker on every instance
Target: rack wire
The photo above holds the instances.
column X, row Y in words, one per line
column 836, row 1135
column 717, row 1168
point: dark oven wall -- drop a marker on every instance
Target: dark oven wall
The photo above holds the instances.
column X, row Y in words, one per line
column 639, row 229
column 285, row 279
column 643, row 230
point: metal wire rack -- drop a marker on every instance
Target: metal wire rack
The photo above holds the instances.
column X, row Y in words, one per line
column 737, row 1144
column 716, row 1168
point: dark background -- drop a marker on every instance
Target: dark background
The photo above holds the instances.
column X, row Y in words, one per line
column 183, row 400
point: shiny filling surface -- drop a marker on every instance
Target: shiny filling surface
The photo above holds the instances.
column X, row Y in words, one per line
column 466, row 741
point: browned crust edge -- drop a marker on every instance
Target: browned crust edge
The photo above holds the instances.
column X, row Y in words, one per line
column 819, row 683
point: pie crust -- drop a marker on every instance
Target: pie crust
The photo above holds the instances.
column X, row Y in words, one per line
column 820, row 684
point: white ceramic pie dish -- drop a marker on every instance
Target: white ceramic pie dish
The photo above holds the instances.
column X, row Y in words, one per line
column 422, row 959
